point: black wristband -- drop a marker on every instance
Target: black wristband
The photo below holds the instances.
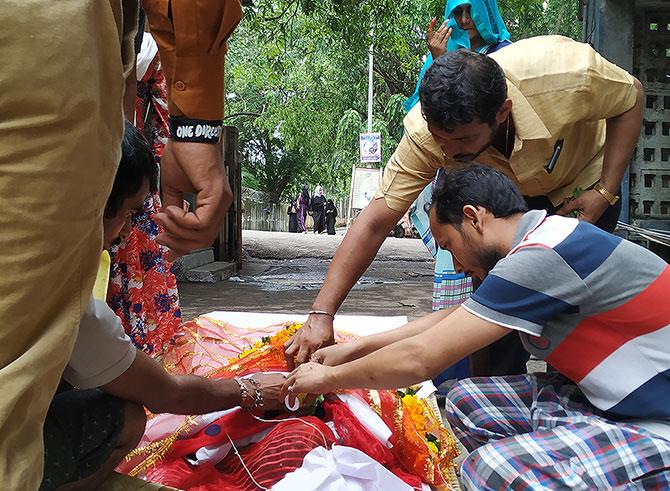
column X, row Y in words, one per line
column 194, row 130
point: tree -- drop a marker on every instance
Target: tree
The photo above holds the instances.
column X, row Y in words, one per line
column 269, row 163
column 297, row 79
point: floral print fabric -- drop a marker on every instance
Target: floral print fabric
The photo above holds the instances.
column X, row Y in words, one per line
column 143, row 288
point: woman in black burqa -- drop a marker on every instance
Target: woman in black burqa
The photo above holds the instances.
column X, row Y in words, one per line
column 318, row 209
column 293, row 217
column 331, row 216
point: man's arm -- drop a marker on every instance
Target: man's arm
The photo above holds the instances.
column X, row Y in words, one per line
column 352, row 258
column 616, row 96
column 191, row 37
column 146, row 383
column 623, row 132
column 346, row 352
column 403, row 363
column 412, row 166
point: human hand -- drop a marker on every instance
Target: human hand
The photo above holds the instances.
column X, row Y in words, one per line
column 270, row 385
column 308, row 378
column 590, row 206
column 437, row 40
column 334, row 355
column 316, row 332
column 196, row 168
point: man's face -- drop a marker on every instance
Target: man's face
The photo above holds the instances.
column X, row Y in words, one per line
column 471, row 255
column 119, row 225
column 466, row 142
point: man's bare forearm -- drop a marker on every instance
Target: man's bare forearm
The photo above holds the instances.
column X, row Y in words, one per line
column 419, row 357
column 622, row 135
column 355, row 254
column 368, row 344
column 147, row 383
column 197, row 395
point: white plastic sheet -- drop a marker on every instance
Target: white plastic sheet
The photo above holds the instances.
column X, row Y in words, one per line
column 340, row 469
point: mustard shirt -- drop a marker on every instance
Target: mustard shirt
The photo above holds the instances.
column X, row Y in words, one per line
column 560, row 89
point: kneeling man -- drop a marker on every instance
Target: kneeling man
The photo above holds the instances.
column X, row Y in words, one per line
column 591, row 304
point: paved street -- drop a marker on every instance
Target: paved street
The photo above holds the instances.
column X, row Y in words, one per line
column 282, row 272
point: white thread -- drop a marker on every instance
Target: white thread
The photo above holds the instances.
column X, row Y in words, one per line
column 294, row 407
column 245, row 465
column 325, row 443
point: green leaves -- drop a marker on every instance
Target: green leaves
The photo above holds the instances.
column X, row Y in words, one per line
column 296, row 76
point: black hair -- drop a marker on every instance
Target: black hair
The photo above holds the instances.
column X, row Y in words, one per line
column 305, row 191
column 462, row 87
column 137, row 164
column 476, row 185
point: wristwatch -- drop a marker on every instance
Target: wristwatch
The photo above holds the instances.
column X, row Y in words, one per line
column 612, row 199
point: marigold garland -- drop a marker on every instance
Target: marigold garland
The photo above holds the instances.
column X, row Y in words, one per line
column 422, row 444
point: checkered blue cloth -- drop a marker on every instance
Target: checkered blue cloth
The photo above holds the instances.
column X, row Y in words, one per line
column 450, row 289
column 539, row 432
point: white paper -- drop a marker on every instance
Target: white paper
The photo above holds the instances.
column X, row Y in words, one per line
column 340, row 469
column 426, row 390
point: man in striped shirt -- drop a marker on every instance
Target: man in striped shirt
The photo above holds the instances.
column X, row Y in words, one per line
column 595, row 306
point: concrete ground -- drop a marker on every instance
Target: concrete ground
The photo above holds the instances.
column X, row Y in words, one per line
column 283, row 272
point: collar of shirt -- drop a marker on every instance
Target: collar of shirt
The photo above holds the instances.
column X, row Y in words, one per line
column 528, row 223
column 527, row 124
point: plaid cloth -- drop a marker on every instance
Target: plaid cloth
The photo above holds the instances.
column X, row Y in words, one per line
column 539, row 432
column 450, row 289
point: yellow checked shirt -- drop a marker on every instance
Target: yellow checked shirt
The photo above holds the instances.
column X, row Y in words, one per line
column 560, row 89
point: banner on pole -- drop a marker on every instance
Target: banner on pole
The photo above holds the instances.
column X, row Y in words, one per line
column 364, row 186
column 371, row 147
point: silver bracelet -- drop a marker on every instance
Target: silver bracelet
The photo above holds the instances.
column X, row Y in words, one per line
column 258, row 394
column 246, row 400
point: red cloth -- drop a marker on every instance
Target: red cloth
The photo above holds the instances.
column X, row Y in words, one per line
column 281, row 451
column 353, row 434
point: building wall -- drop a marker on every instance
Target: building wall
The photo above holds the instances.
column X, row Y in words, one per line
column 650, row 170
column 636, row 36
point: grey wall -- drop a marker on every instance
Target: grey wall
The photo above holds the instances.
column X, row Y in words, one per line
column 636, row 36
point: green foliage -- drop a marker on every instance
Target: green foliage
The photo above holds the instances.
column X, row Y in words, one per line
column 296, row 80
column 526, row 18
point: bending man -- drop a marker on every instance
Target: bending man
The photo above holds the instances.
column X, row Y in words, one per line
column 602, row 421
column 539, row 100
column 90, row 429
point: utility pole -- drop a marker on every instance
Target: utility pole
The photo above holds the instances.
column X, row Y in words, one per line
column 370, row 80
column 370, row 101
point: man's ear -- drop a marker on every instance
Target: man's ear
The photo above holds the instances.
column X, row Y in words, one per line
column 504, row 111
column 471, row 217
